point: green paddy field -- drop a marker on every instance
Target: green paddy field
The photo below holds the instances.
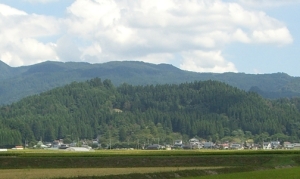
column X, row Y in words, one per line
column 150, row 164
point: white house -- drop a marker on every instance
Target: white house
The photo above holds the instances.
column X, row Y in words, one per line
column 267, row 145
column 195, row 143
column 178, row 143
column 275, row 144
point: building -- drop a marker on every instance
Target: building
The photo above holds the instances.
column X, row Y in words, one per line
column 18, row 147
column 224, row 146
column 266, row 145
column 236, row 146
column 78, row 149
column 178, row 143
column 153, row 147
column 296, row 145
column 208, row 145
column 195, row 144
column 275, row 144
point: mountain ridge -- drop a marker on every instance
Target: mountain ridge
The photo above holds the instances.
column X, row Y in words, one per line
column 19, row 82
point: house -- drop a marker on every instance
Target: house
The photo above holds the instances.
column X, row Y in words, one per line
column 236, row 146
column 275, row 144
column 56, row 144
column 296, row 145
column 195, row 144
column 194, row 140
column 63, row 146
column 178, row 143
column 224, row 146
column 249, row 144
column 208, row 145
column 288, row 145
column 266, row 145
column 40, row 145
column 168, row 147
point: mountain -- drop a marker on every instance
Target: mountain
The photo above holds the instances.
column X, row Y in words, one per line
column 211, row 110
column 19, row 82
column 5, row 70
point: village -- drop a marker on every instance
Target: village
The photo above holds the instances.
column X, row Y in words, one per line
column 194, row 143
column 191, row 144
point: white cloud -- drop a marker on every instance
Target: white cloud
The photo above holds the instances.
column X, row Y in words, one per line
column 158, row 58
column 280, row 36
column 9, row 11
column 201, row 61
column 41, row 1
column 67, row 50
column 152, row 31
column 19, row 37
column 143, row 29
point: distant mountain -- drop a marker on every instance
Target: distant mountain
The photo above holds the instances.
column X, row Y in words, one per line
column 18, row 82
column 5, row 70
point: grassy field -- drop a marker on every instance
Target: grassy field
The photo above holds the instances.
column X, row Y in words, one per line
column 75, row 172
column 139, row 163
column 289, row 173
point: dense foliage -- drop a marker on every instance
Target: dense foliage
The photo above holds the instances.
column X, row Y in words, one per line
column 19, row 82
column 146, row 114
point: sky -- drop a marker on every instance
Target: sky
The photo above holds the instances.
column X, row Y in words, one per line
column 247, row 36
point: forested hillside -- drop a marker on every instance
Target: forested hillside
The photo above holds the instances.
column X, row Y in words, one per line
column 19, row 82
column 211, row 110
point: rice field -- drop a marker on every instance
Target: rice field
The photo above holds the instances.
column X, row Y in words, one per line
column 38, row 164
column 288, row 173
column 75, row 172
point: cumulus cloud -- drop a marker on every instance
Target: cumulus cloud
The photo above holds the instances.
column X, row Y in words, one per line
column 201, row 61
column 158, row 58
column 280, row 36
column 41, row 1
column 19, row 37
column 144, row 29
column 8, row 11
column 152, row 31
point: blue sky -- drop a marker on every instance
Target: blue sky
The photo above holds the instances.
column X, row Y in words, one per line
column 249, row 36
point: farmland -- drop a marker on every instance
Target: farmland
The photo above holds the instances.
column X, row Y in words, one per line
column 33, row 163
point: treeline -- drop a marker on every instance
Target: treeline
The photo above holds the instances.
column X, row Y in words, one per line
column 148, row 114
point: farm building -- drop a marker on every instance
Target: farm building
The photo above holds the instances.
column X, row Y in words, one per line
column 18, row 147
column 78, row 149
column 154, row 147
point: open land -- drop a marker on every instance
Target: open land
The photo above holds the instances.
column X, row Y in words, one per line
column 138, row 163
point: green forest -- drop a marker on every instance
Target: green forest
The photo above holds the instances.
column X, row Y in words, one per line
column 210, row 110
